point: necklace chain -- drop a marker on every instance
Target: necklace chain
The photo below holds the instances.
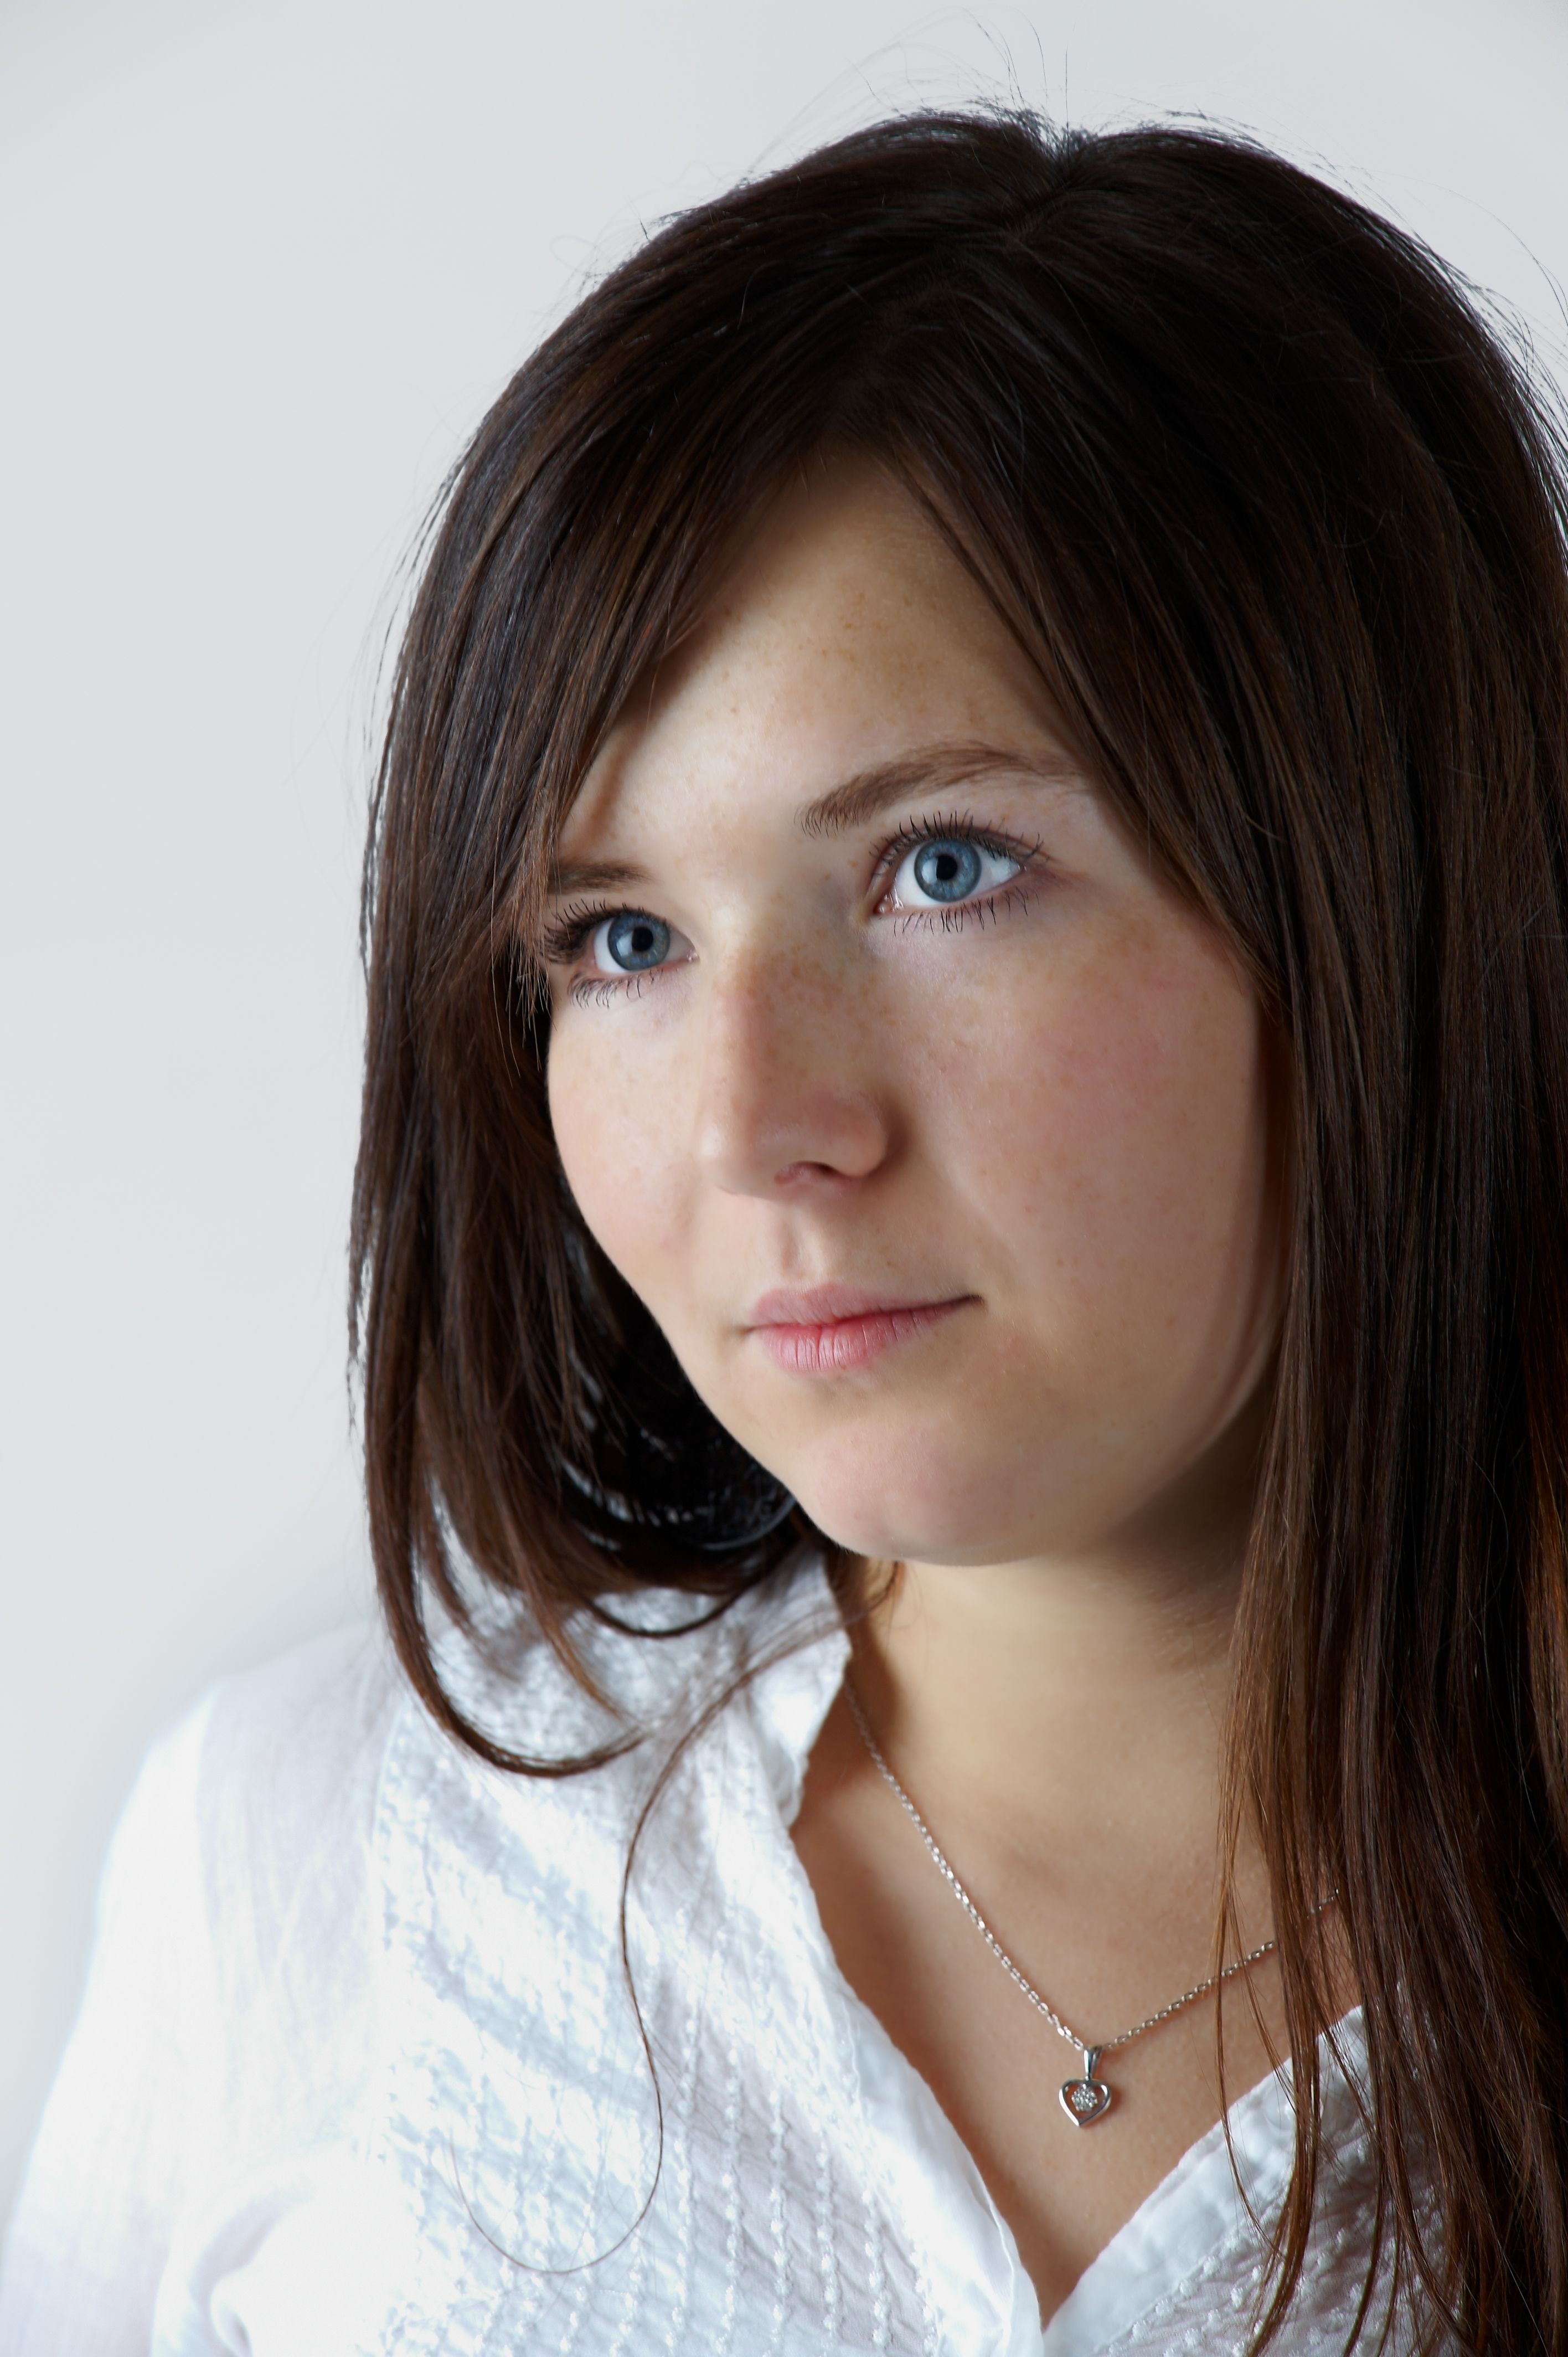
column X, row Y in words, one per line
column 1087, row 2047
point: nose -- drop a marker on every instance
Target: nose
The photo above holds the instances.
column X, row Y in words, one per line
column 787, row 1097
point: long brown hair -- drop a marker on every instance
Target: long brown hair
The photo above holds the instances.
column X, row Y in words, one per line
column 1281, row 525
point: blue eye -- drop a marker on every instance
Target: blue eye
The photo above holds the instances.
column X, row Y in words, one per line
column 630, row 942
column 949, row 869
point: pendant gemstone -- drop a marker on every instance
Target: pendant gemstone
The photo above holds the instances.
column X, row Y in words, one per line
column 1085, row 2100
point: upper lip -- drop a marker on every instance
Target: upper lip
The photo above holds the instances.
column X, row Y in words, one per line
column 825, row 1305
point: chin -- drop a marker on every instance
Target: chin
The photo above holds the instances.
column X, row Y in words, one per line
column 955, row 1520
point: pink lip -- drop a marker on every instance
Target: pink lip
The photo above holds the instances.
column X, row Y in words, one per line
column 830, row 1329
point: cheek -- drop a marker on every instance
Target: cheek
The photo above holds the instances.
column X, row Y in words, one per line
column 1116, row 1126
column 1171, row 1179
column 615, row 1151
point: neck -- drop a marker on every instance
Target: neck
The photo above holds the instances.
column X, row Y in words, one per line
column 1071, row 1705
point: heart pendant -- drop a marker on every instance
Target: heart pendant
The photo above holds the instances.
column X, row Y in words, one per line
column 1088, row 2099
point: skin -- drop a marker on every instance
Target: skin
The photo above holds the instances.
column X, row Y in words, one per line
column 1025, row 1143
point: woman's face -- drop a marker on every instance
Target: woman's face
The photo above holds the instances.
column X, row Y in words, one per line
column 928, row 1123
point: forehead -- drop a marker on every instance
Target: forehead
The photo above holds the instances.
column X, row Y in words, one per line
column 845, row 638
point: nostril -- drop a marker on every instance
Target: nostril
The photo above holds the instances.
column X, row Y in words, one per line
column 793, row 1172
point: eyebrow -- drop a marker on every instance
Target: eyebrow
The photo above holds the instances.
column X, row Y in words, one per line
column 568, row 875
column 856, row 799
column 930, row 769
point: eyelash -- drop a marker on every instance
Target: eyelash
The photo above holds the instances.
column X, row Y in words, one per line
column 566, row 936
column 955, row 827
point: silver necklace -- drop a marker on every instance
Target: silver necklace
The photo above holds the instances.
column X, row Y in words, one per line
column 1087, row 2099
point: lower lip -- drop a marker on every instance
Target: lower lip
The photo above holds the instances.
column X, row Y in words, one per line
column 841, row 1346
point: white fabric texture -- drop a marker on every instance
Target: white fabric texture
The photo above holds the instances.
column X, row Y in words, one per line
column 358, row 2070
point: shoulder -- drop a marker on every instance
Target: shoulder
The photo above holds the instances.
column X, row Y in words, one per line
column 272, row 1755
column 272, row 1761
column 280, row 1811
column 284, row 1771
column 244, row 1850
column 291, row 1750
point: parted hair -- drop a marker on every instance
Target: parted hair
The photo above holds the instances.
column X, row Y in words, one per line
column 1280, row 518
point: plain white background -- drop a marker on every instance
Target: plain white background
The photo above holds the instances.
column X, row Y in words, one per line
column 261, row 271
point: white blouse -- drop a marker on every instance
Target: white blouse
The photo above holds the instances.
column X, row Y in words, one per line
column 358, row 2070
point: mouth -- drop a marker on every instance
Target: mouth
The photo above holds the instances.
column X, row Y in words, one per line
column 831, row 1329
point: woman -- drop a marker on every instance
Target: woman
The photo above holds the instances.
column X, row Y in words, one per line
column 962, row 1292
